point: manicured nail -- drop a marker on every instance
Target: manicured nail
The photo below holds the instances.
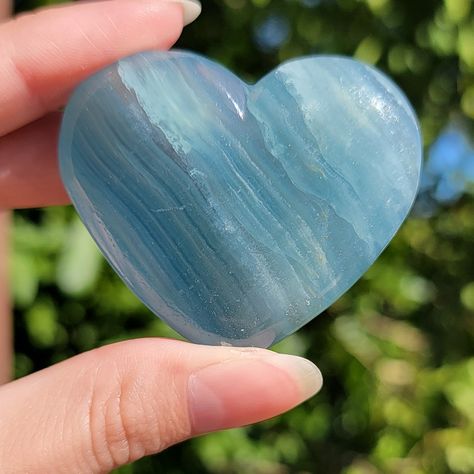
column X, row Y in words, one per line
column 191, row 9
column 248, row 389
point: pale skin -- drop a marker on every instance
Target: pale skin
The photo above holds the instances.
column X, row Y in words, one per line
column 112, row 405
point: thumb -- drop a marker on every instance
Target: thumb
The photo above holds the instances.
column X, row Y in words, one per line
column 113, row 405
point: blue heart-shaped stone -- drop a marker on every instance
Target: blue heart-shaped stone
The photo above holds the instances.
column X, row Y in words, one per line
column 238, row 213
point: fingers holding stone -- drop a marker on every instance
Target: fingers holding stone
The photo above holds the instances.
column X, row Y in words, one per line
column 44, row 54
column 116, row 404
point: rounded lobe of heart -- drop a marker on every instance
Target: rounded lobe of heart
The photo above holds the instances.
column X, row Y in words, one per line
column 238, row 213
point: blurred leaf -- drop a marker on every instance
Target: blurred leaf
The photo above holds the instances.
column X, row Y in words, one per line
column 458, row 10
column 23, row 278
column 79, row 262
column 460, row 389
column 461, row 458
column 467, row 296
column 369, row 50
column 41, row 324
column 467, row 102
column 390, row 445
column 465, row 42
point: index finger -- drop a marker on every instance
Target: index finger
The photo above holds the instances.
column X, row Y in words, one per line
column 43, row 55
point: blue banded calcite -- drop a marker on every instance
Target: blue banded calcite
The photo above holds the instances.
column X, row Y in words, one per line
column 238, row 213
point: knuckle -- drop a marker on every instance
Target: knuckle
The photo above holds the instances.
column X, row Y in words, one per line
column 109, row 439
column 130, row 417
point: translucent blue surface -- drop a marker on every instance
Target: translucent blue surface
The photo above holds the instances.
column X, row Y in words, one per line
column 238, row 213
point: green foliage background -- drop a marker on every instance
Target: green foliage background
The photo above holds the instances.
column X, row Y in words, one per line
column 396, row 350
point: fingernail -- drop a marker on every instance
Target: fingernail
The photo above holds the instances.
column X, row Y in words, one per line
column 249, row 389
column 191, row 9
column 305, row 373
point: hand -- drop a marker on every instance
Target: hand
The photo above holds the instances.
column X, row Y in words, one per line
column 116, row 404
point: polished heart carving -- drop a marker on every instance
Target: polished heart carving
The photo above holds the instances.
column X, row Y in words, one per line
column 238, row 213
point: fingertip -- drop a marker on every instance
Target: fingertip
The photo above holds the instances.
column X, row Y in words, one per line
column 246, row 390
column 191, row 10
column 306, row 375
